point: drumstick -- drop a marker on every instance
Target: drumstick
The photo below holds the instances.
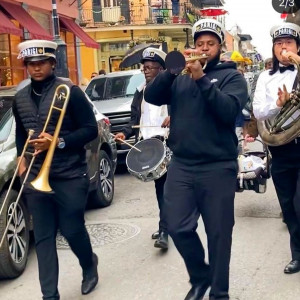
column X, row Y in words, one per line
column 139, row 126
column 126, row 143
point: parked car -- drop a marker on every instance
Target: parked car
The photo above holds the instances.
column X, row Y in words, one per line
column 112, row 94
column 101, row 158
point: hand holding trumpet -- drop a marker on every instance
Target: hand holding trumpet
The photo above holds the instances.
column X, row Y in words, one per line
column 194, row 63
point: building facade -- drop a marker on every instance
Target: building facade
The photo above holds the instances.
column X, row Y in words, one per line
column 32, row 19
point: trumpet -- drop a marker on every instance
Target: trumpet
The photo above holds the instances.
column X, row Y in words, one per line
column 41, row 182
column 176, row 62
column 202, row 58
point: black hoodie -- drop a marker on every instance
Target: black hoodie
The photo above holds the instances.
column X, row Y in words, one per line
column 203, row 112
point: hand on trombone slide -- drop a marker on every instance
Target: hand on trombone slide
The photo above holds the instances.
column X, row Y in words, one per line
column 42, row 143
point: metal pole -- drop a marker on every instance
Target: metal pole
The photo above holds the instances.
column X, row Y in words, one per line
column 61, row 69
column 187, row 44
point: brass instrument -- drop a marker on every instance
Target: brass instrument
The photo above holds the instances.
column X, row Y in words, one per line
column 278, row 132
column 62, row 94
column 41, row 182
column 202, row 58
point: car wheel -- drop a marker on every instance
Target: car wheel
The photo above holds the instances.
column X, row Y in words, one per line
column 14, row 251
column 104, row 192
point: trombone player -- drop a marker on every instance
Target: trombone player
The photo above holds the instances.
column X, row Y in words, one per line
column 202, row 175
column 64, row 209
column 271, row 95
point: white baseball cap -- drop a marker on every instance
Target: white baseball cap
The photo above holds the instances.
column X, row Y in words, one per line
column 154, row 54
column 35, row 50
column 285, row 30
column 208, row 25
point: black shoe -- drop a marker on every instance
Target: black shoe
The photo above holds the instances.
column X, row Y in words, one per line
column 197, row 291
column 90, row 277
column 292, row 267
column 155, row 235
column 162, row 241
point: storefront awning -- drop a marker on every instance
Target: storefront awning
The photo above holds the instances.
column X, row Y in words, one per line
column 7, row 26
column 75, row 28
column 21, row 15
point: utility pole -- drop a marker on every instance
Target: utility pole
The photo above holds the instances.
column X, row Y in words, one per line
column 61, row 51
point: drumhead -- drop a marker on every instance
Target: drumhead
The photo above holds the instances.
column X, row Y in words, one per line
column 152, row 153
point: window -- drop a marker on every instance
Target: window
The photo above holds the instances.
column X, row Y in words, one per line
column 5, row 126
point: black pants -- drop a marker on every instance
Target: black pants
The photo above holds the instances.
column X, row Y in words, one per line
column 285, row 172
column 159, row 189
column 65, row 211
column 190, row 192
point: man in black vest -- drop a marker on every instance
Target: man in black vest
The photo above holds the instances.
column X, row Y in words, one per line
column 63, row 210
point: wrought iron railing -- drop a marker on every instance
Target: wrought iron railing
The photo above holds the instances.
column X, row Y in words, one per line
column 141, row 14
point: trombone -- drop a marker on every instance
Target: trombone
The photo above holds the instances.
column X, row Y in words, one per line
column 41, row 182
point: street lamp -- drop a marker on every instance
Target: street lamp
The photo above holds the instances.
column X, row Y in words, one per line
column 61, row 51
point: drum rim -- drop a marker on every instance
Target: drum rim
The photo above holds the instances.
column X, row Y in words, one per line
column 161, row 160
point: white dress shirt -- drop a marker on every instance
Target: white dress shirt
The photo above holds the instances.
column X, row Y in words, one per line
column 152, row 115
column 266, row 93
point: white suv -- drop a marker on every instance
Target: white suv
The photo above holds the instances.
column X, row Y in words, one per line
column 112, row 94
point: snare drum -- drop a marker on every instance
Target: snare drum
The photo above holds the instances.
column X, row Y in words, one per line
column 151, row 163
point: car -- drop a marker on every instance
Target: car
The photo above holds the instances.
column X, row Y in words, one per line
column 112, row 94
column 101, row 158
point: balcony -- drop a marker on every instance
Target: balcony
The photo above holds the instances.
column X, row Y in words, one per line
column 140, row 14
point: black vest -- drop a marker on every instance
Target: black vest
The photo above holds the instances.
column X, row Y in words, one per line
column 66, row 163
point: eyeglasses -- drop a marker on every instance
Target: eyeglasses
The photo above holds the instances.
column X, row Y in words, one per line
column 148, row 69
column 280, row 43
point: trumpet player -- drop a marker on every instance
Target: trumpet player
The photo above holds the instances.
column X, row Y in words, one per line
column 272, row 93
column 65, row 208
column 202, row 174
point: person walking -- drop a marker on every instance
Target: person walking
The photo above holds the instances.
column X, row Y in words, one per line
column 202, row 174
column 272, row 93
column 64, row 209
column 145, row 114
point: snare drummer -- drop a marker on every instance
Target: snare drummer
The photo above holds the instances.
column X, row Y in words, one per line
column 145, row 114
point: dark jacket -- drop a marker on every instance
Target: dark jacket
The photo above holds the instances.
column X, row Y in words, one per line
column 203, row 112
column 78, row 128
column 135, row 116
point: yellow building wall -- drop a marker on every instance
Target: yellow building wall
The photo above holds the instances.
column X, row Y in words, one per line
column 93, row 60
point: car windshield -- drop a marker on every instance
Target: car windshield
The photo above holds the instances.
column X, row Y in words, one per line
column 114, row 87
column 5, row 125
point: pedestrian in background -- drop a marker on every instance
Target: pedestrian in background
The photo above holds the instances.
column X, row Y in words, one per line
column 64, row 209
column 145, row 114
column 202, row 175
column 272, row 93
column 102, row 72
column 94, row 74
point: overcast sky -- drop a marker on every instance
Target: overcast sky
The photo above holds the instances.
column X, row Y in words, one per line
column 254, row 17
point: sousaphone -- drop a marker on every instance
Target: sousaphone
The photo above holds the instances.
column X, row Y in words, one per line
column 286, row 125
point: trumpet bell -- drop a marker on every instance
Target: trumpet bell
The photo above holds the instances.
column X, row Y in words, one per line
column 175, row 62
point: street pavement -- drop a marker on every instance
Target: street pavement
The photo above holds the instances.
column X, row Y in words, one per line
column 130, row 268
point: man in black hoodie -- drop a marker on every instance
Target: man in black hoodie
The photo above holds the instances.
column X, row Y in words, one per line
column 203, row 171
column 64, row 209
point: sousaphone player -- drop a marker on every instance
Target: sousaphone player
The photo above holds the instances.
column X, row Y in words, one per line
column 272, row 97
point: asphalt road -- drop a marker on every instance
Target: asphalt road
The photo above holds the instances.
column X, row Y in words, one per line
column 131, row 268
